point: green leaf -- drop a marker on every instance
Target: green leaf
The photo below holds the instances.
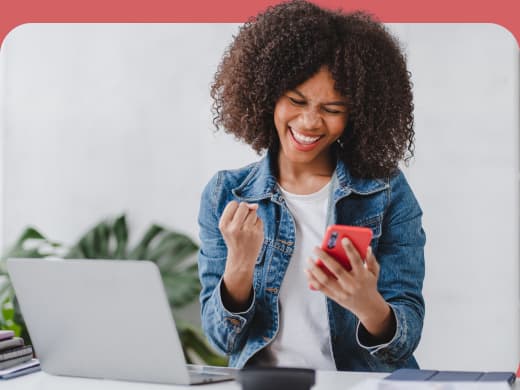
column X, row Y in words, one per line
column 140, row 252
column 6, row 290
column 8, row 317
column 19, row 246
column 120, row 231
column 195, row 342
column 181, row 288
column 29, row 233
column 94, row 244
column 22, row 249
column 171, row 251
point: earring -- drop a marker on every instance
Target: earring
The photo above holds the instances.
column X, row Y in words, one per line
column 340, row 143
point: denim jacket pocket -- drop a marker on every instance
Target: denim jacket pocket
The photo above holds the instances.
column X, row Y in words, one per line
column 261, row 254
column 259, row 272
column 375, row 224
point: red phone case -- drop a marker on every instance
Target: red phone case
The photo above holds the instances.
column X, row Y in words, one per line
column 359, row 236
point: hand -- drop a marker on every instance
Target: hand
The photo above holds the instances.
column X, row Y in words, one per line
column 243, row 232
column 356, row 290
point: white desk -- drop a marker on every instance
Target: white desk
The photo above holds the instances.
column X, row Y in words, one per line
column 325, row 380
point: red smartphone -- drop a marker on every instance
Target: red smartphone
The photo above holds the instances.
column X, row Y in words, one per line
column 359, row 236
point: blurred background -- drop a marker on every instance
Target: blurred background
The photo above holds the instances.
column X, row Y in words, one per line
column 97, row 120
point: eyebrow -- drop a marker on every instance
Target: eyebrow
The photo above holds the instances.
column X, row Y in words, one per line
column 337, row 103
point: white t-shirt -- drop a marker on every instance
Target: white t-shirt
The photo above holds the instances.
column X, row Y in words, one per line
column 303, row 338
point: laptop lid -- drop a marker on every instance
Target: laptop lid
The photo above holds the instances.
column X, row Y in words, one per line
column 99, row 319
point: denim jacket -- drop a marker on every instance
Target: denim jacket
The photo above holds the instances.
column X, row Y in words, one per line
column 388, row 207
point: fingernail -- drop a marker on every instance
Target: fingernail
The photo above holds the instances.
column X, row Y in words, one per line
column 345, row 241
column 369, row 250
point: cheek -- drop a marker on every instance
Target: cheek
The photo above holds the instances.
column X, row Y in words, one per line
column 337, row 126
column 282, row 114
column 277, row 120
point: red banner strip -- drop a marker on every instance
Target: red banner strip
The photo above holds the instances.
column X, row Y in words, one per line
column 17, row 12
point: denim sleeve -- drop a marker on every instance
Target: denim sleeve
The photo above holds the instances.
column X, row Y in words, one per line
column 400, row 254
column 226, row 331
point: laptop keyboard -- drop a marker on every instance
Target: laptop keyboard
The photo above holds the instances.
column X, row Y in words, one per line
column 206, row 374
column 203, row 377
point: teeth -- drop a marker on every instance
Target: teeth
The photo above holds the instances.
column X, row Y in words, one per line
column 303, row 139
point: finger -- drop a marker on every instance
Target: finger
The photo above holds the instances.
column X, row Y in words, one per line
column 240, row 214
column 252, row 207
column 318, row 273
column 356, row 262
column 332, row 264
column 329, row 289
column 228, row 213
column 371, row 262
column 343, row 279
column 251, row 218
column 329, row 282
column 316, row 277
column 259, row 222
column 314, row 285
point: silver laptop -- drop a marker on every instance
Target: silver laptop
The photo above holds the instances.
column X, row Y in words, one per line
column 103, row 319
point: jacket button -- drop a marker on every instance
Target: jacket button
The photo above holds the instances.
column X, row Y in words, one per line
column 234, row 321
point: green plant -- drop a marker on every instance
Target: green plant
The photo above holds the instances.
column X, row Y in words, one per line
column 173, row 253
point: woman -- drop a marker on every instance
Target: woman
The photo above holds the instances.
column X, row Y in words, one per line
column 328, row 96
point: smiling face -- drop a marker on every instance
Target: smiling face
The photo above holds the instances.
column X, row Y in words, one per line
column 309, row 119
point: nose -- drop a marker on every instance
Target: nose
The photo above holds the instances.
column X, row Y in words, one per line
column 311, row 119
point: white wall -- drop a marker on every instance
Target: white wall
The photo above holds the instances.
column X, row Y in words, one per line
column 102, row 118
column 466, row 177
column 109, row 118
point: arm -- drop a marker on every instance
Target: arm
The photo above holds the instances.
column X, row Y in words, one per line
column 385, row 297
column 401, row 257
column 227, row 298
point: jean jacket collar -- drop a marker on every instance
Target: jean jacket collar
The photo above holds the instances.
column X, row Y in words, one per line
column 261, row 183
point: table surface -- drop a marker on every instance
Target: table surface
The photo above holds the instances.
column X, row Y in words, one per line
column 325, row 380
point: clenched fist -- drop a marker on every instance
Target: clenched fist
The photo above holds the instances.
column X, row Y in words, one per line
column 243, row 232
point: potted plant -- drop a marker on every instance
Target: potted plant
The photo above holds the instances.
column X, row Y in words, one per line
column 173, row 252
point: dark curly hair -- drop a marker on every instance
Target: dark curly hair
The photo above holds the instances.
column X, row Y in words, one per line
column 287, row 44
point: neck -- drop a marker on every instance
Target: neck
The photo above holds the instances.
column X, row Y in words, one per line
column 304, row 178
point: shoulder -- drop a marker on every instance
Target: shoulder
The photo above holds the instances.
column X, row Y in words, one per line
column 398, row 183
column 220, row 185
column 228, row 179
column 401, row 195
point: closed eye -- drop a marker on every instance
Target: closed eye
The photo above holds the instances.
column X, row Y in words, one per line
column 332, row 111
column 296, row 102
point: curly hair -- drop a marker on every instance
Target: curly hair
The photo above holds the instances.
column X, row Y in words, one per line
column 287, row 44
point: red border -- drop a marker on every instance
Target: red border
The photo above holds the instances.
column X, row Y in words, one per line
column 15, row 12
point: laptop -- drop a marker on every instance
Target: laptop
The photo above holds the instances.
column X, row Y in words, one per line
column 103, row 319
